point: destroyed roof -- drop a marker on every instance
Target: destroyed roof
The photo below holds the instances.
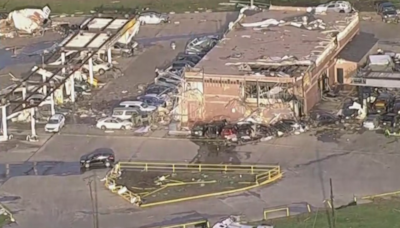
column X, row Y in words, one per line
column 289, row 38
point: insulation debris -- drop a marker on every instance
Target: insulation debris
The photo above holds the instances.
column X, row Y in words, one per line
column 27, row 21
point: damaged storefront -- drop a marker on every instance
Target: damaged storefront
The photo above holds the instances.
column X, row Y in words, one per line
column 268, row 69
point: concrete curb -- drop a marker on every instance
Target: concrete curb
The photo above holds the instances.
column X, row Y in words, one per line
column 82, row 14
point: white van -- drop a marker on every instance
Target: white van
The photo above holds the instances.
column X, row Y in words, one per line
column 124, row 113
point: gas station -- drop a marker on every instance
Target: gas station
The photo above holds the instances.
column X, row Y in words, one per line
column 46, row 82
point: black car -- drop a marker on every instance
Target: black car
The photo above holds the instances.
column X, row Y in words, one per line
column 100, row 157
column 387, row 11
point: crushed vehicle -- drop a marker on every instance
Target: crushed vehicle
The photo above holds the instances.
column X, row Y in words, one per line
column 113, row 123
column 65, row 29
column 187, row 57
column 200, row 46
column 387, row 11
column 319, row 118
column 104, row 158
column 153, row 18
column 208, row 130
column 334, row 6
column 27, row 21
column 159, row 90
column 154, row 100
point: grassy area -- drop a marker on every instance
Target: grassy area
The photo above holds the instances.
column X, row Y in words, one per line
column 72, row 6
column 382, row 214
column 3, row 220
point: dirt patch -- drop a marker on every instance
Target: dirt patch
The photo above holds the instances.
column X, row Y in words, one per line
column 162, row 186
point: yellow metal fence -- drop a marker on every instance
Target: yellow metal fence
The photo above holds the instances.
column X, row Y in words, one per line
column 264, row 174
column 7, row 213
column 177, row 167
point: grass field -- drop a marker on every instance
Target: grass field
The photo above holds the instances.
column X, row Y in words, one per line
column 72, row 6
column 382, row 214
column 3, row 220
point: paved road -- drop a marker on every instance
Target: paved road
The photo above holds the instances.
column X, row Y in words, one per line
column 359, row 164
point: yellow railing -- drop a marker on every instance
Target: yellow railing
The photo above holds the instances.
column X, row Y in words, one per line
column 176, row 167
column 120, row 190
column 264, row 174
column 286, row 210
column 383, row 195
column 7, row 213
column 205, row 224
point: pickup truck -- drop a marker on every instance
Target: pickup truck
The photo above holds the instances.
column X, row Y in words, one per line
column 387, row 11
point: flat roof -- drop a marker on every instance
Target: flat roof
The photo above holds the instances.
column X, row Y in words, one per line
column 98, row 23
column 99, row 29
column 263, row 44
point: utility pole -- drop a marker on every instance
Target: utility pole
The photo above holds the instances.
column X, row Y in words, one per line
column 90, row 180
column 333, row 206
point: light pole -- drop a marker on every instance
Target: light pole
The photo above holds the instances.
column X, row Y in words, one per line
column 93, row 198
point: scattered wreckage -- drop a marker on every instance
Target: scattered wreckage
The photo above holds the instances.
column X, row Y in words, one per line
column 153, row 18
column 25, row 22
column 247, row 130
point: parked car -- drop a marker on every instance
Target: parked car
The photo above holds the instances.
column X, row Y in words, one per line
column 104, row 158
column 187, row 57
column 113, row 123
column 153, row 18
column 153, row 100
column 159, row 90
column 99, row 67
column 142, row 107
column 169, row 79
column 387, row 11
column 334, row 6
column 124, row 113
column 124, row 50
column 55, row 123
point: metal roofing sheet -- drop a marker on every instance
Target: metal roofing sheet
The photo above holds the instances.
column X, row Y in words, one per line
column 99, row 23
column 80, row 40
column 100, row 40
column 117, row 24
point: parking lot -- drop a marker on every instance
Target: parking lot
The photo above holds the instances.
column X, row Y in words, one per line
column 360, row 164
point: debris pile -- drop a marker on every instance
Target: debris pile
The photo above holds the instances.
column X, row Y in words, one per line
column 247, row 130
column 25, row 22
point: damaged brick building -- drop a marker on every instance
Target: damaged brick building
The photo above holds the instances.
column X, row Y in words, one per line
column 266, row 68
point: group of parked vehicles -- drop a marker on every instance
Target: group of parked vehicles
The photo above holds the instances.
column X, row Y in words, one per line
column 159, row 96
